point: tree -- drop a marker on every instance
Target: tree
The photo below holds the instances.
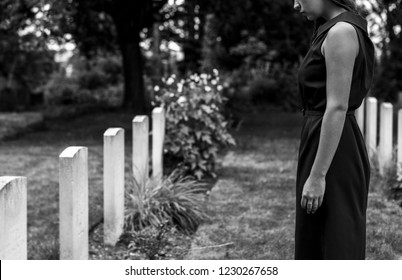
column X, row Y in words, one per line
column 25, row 60
column 115, row 25
column 273, row 23
column 387, row 82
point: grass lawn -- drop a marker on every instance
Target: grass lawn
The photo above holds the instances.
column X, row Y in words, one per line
column 253, row 203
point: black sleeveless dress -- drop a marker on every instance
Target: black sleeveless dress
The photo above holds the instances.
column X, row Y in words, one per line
column 337, row 230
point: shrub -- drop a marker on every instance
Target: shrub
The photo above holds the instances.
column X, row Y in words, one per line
column 195, row 125
column 264, row 83
column 150, row 241
column 97, row 80
column 235, row 84
column 392, row 186
column 277, row 86
column 286, row 77
column 178, row 199
column 60, row 89
column 264, row 90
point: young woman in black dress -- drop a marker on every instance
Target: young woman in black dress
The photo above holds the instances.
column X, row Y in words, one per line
column 333, row 170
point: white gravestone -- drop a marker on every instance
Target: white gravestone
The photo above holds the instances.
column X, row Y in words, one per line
column 73, row 179
column 399, row 154
column 360, row 116
column 113, row 185
column 386, row 129
column 371, row 126
column 158, row 135
column 13, row 218
column 140, row 150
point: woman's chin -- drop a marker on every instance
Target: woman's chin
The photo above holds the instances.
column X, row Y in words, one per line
column 309, row 17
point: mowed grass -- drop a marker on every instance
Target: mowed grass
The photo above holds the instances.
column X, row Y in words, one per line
column 253, row 203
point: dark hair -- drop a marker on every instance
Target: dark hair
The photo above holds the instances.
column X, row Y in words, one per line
column 348, row 5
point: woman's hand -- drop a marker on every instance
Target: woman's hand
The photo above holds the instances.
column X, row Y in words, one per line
column 313, row 193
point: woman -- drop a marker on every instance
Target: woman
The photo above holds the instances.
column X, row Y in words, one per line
column 333, row 169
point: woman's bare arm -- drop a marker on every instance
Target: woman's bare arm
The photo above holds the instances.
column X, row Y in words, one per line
column 340, row 48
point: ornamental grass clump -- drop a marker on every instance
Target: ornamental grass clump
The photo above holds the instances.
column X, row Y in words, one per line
column 179, row 201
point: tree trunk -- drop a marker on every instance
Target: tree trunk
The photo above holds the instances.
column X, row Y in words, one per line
column 130, row 17
column 134, row 93
column 157, row 51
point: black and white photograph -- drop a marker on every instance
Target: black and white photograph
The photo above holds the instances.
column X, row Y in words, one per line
column 201, row 130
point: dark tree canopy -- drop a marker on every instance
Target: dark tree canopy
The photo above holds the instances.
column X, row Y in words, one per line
column 274, row 23
column 212, row 33
column 115, row 25
column 25, row 60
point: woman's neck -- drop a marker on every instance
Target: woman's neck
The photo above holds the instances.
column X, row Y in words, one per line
column 333, row 13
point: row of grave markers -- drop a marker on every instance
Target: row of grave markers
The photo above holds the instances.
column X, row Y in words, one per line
column 381, row 150
column 73, row 190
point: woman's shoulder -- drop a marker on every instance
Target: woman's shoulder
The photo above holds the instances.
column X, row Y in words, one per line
column 342, row 29
column 342, row 36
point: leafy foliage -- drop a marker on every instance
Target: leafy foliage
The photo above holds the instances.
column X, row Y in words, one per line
column 285, row 76
column 115, row 26
column 387, row 82
column 392, row 186
column 150, row 241
column 178, row 201
column 259, row 55
column 261, row 84
column 25, row 60
column 97, row 80
column 241, row 23
column 195, row 125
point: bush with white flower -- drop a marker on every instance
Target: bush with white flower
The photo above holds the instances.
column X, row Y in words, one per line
column 195, row 126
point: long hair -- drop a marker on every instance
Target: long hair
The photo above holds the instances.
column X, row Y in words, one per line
column 349, row 5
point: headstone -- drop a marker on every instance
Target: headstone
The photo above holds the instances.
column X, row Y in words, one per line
column 386, row 129
column 13, row 218
column 73, row 179
column 113, row 185
column 371, row 126
column 360, row 116
column 158, row 135
column 140, row 150
column 399, row 104
column 399, row 153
